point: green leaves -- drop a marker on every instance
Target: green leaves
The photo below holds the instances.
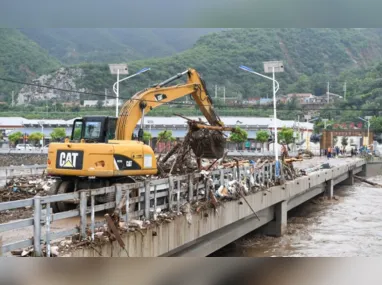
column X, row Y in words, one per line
column 238, row 135
column 13, row 138
column 58, row 134
column 262, row 136
column 165, row 136
column 285, row 135
column 35, row 137
column 146, row 137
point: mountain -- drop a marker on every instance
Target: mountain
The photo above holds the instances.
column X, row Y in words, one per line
column 311, row 56
column 319, row 54
column 104, row 45
column 22, row 59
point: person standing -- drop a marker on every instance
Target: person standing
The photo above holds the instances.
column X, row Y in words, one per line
column 329, row 152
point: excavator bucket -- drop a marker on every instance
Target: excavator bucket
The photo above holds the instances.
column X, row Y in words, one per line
column 207, row 143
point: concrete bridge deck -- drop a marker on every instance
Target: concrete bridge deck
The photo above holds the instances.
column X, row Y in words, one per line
column 211, row 230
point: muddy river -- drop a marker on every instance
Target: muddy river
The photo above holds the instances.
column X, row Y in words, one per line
column 350, row 225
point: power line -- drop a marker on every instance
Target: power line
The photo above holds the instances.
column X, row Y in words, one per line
column 180, row 103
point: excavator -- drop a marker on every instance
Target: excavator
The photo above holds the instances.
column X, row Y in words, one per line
column 101, row 150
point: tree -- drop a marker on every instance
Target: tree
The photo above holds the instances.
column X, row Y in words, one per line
column 75, row 108
column 13, row 138
column 146, row 137
column 35, row 137
column 262, row 137
column 376, row 124
column 285, row 135
column 57, row 134
column 99, row 104
column 238, row 135
column 77, row 134
column 344, row 141
column 165, row 136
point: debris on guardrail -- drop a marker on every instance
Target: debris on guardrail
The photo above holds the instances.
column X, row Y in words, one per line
column 25, row 187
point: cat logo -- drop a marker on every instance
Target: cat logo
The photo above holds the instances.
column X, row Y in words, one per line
column 69, row 160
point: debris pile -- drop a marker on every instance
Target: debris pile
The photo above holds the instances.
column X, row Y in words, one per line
column 25, row 187
column 22, row 188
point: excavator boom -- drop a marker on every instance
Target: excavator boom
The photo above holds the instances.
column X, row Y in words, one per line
column 143, row 102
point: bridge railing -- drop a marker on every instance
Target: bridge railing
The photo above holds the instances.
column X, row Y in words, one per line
column 10, row 172
column 167, row 194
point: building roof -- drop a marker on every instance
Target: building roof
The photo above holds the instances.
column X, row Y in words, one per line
column 163, row 122
column 228, row 121
column 300, row 95
column 20, row 122
column 11, row 121
column 301, row 125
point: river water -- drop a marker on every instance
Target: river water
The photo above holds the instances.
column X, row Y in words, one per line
column 350, row 225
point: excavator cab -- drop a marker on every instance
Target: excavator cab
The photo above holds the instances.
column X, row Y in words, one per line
column 94, row 129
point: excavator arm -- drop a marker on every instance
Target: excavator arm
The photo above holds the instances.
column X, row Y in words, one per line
column 143, row 102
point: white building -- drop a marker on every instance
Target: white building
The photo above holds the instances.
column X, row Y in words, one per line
column 105, row 103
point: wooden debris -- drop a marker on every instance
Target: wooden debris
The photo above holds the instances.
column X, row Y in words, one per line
column 114, row 230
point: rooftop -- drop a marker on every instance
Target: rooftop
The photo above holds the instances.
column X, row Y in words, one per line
column 253, row 122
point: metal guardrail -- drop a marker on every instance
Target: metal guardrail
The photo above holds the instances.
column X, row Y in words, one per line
column 167, row 194
column 24, row 151
column 9, row 172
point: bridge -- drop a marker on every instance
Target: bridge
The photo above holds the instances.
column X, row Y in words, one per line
column 184, row 225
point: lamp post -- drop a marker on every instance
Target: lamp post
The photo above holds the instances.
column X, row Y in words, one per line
column 368, row 126
column 150, row 122
column 41, row 123
column 271, row 67
column 121, row 69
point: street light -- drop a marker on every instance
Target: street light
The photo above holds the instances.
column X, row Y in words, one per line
column 41, row 123
column 150, row 122
column 368, row 126
column 122, row 69
column 271, row 67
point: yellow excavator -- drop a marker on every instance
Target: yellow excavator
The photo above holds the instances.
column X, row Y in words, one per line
column 101, row 150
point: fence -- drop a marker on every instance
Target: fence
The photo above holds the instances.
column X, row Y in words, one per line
column 167, row 194
column 17, row 171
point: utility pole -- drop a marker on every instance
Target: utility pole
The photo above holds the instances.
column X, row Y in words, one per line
column 298, row 127
column 328, row 93
column 345, row 90
column 216, row 91
column 224, row 94
column 13, row 98
column 105, row 97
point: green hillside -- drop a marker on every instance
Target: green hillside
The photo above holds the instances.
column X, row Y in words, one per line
column 363, row 97
column 72, row 46
column 22, row 59
column 317, row 54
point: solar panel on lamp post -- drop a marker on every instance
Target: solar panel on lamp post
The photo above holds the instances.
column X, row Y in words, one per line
column 119, row 69
column 271, row 67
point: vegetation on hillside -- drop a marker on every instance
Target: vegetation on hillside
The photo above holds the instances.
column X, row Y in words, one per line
column 113, row 45
column 363, row 98
column 21, row 59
